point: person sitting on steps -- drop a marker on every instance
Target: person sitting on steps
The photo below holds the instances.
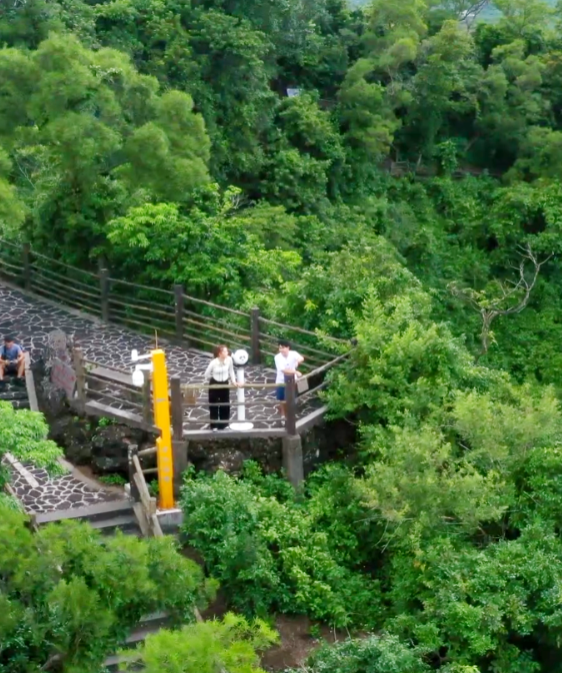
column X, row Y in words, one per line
column 12, row 360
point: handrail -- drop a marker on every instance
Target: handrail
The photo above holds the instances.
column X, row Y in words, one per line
column 303, row 331
column 141, row 286
column 145, row 504
column 205, row 387
column 326, row 366
column 216, row 306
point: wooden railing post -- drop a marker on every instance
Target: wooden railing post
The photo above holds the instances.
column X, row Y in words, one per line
column 26, row 254
column 135, row 494
column 104, row 295
column 177, row 407
column 179, row 446
column 255, row 334
column 80, row 371
column 178, row 298
column 146, row 401
column 290, row 405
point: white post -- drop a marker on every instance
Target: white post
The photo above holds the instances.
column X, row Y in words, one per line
column 240, row 394
column 240, row 359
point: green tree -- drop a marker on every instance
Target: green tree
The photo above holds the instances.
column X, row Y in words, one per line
column 229, row 645
column 70, row 596
column 269, row 556
column 88, row 135
column 372, row 653
column 212, row 248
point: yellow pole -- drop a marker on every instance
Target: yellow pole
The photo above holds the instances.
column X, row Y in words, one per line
column 162, row 419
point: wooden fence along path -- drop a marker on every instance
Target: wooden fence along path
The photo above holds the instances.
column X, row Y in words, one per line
column 189, row 324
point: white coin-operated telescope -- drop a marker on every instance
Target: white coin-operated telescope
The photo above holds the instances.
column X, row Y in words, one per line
column 240, row 359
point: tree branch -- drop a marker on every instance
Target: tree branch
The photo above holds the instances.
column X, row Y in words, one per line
column 490, row 309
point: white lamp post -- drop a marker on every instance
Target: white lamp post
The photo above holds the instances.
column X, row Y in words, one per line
column 138, row 374
column 240, row 358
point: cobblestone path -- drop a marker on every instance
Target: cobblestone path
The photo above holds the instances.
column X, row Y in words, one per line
column 40, row 493
column 31, row 320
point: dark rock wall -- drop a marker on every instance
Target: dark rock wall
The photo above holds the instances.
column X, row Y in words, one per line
column 103, row 445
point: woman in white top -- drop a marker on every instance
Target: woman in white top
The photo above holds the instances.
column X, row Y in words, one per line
column 220, row 371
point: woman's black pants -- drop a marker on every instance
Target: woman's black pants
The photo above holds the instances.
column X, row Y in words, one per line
column 220, row 413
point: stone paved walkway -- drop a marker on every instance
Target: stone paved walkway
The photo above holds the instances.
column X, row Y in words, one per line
column 31, row 320
column 59, row 493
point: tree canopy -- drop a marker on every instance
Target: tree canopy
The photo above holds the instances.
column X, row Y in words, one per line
column 389, row 173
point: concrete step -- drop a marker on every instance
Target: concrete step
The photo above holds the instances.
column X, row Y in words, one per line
column 149, row 625
column 13, row 394
column 126, row 523
column 91, row 513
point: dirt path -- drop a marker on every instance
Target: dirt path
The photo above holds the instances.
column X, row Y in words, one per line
column 295, row 632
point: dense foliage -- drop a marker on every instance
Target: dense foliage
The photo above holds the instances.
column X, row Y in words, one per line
column 228, row 645
column 166, row 137
column 70, row 597
column 269, row 556
column 24, row 434
column 386, row 173
column 373, row 653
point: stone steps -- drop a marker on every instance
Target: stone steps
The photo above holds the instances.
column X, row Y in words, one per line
column 126, row 523
column 15, row 393
column 147, row 626
column 107, row 517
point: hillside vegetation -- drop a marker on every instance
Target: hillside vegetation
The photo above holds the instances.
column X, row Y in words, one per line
column 377, row 173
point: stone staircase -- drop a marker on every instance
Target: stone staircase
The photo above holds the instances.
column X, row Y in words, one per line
column 14, row 392
column 107, row 517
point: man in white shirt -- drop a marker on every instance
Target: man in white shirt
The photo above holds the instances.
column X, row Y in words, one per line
column 286, row 362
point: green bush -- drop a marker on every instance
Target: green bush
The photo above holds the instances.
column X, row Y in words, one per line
column 23, row 433
column 269, row 556
column 228, row 645
column 70, row 596
column 374, row 653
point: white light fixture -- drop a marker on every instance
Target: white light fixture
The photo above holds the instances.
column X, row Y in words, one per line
column 136, row 356
column 138, row 377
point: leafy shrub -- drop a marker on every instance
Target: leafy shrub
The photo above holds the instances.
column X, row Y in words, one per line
column 374, row 653
column 228, row 645
column 70, row 596
column 113, row 478
column 8, row 501
column 23, row 433
column 269, row 556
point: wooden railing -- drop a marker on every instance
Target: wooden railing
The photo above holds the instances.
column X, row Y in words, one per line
column 145, row 505
column 191, row 321
column 109, row 392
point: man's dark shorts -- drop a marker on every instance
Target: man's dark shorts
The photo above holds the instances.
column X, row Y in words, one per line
column 280, row 393
column 11, row 368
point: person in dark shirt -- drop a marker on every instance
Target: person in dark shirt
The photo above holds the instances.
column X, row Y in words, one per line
column 12, row 359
